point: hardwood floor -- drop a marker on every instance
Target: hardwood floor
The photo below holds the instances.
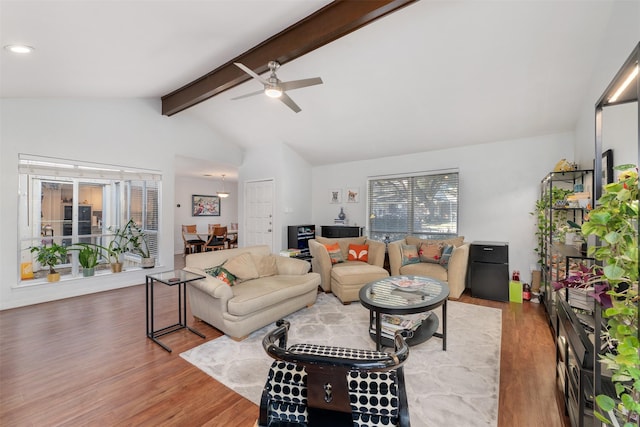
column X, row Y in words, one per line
column 86, row 361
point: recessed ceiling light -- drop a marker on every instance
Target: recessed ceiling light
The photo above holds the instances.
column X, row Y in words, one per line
column 19, row 48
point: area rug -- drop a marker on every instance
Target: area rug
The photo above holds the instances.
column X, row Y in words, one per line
column 459, row 386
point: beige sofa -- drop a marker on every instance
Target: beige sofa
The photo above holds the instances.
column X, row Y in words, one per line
column 454, row 275
column 346, row 278
column 284, row 286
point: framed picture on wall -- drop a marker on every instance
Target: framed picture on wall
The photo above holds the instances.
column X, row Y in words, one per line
column 205, row 205
column 607, row 167
column 353, row 195
column 335, row 195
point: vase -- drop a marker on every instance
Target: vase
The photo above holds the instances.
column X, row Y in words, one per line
column 88, row 272
column 342, row 215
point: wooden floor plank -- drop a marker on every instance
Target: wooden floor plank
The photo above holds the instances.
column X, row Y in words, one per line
column 86, row 361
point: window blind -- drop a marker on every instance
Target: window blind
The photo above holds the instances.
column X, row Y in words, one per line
column 425, row 205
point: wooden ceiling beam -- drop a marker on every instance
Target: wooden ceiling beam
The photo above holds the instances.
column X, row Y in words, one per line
column 333, row 21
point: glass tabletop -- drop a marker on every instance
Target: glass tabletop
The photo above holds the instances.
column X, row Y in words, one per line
column 404, row 292
column 175, row 276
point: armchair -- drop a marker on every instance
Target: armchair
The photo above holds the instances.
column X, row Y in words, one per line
column 315, row 385
column 454, row 274
column 346, row 278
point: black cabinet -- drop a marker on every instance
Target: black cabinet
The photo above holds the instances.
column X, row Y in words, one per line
column 299, row 236
column 489, row 270
column 334, row 231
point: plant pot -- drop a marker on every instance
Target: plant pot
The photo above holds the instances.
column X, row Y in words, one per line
column 148, row 262
column 53, row 277
column 88, row 272
column 116, row 267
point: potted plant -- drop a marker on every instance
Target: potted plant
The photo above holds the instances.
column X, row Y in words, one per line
column 51, row 256
column 545, row 226
column 615, row 222
column 118, row 245
column 138, row 243
column 89, row 256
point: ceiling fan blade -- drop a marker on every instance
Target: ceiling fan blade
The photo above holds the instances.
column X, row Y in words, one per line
column 297, row 84
column 289, row 103
column 250, row 72
column 248, row 95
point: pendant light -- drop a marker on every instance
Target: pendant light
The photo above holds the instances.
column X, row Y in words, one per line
column 222, row 194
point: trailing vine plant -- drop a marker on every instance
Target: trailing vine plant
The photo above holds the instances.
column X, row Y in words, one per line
column 615, row 222
column 544, row 225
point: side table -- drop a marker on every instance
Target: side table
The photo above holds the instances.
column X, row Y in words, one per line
column 169, row 278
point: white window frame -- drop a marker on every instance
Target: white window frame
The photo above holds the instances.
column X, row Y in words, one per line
column 406, row 209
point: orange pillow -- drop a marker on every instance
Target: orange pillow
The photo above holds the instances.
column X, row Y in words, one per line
column 335, row 253
column 358, row 253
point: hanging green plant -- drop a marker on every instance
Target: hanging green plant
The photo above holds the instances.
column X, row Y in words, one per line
column 615, row 222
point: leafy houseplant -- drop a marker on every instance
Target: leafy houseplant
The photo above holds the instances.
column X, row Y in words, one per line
column 137, row 243
column 615, row 222
column 89, row 256
column 545, row 226
column 51, row 256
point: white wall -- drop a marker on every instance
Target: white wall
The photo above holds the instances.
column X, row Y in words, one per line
column 292, row 179
column 128, row 132
column 620, row 127
column 499, row 184
column 185, row 188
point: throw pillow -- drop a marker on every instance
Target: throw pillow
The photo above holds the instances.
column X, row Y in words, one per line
column 266, row 265
column 446, row 255
column 358, row 253
column 430, row 252
column 410, row 254
column 222, row 274
column 242, row 267
column 335, row 253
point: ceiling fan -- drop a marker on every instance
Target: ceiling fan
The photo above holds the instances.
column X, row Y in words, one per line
column 274, row 88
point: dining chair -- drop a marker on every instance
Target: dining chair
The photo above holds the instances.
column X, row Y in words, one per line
column 217, row 238
column 191, row 244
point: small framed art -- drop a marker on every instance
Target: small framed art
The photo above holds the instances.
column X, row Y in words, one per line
column 353, row 195
column 607, row 167
column 335, row 195
column 205, row 205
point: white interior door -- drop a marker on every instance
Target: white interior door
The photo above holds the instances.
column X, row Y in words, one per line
column 259, row 213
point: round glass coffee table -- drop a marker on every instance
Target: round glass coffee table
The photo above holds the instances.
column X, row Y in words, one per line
column 405, row 295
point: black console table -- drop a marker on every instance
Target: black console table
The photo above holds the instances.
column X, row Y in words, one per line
column 334, row 231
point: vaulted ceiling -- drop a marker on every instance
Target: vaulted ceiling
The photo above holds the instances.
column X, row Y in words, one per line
column 433, row 75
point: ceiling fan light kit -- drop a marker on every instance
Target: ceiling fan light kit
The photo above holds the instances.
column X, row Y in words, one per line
column 275, row 88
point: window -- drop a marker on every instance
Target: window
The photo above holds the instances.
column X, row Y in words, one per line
column 68, row 202
column 423, row 205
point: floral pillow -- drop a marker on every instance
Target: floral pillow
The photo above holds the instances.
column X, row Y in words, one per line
column 222, row 274
column 334, row 253
column 410, row 254
column 358, row 253
column 430, row 252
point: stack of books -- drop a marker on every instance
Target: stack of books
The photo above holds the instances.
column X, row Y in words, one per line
column 390, row 323
column 292, row 253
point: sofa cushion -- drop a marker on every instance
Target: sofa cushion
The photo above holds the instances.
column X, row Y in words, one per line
column 430, row 252
column 257, row 294
column 242, row 267
column 265, row 265
column 409, row 254
column 358, row 253
column 425, row 269
column 356, row 273
column 335, row 253
column 455, row 241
